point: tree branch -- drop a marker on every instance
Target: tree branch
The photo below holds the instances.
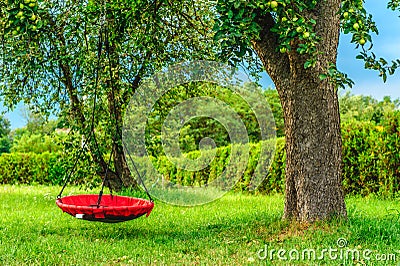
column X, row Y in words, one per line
column 276, row 64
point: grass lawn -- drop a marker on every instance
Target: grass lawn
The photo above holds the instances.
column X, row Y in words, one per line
column 234, row 230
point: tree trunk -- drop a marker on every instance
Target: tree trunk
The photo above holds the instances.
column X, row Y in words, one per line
column 312, row 122
column 120, row 164
column 313, row 150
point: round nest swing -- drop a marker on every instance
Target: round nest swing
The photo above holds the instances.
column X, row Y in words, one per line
column 99, row 207
column 105, row 208
column 112, row 209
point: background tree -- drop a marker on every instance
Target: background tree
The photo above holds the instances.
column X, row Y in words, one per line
column 194, row 130
column 61, row 56
column 273, row 100
column 5, row 128
column 296, row 42
column 365, row 108
column 39, row 134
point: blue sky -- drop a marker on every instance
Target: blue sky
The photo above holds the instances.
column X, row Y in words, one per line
column 367, row 82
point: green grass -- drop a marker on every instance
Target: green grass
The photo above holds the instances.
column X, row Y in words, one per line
column 229, row 231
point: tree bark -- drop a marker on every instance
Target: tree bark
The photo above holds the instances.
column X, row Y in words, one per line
column 313, row 150
column 312, row 121
column 120, row 165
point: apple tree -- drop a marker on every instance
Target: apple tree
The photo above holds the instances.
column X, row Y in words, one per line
column 296, row 42
column 62, row 56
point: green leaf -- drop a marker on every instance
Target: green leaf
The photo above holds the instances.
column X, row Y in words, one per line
column 323, row 76
column 308, row 64
column 230, row 14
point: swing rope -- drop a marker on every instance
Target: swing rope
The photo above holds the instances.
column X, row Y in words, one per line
column 137, row 171
column 118, row 129
column 105, row 178
column 91, row 134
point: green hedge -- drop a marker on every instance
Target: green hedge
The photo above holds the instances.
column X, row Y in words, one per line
column 371, row 157
column 371, row 164
column 274, row 181
column 41, row 168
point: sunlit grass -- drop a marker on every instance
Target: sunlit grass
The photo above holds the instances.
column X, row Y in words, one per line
column 228, row 231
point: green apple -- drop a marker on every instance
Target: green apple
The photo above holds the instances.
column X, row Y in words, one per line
column 299, row 29
column 20, row 14
column 346, row 14
column 351, row 10
column 21, row 6
column 274, row 4
column 33, row 17
column 26, row 1
column 14, row 32
column 34, row 28
column 356, row 26
column 362, row 41
column 32, row 4
column 306, row 35
column 284, row 19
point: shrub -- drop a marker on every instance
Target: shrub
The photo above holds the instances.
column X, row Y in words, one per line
column 38, row 143
column 274, row 180
column 43, row 168
column 361, row 151
column 371, row 156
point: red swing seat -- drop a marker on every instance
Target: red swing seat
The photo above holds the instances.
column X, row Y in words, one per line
column 112, row 209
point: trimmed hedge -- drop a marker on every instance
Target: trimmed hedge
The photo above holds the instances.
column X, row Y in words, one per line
column 41, row 168
column 274, row 176
column 371, row 164
column 371, row 157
